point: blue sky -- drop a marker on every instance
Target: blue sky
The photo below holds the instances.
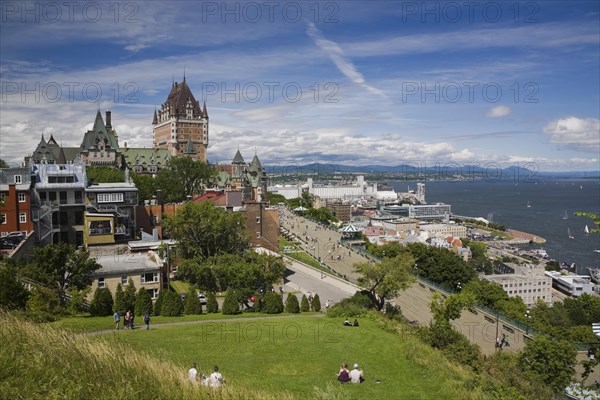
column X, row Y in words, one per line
column 346, row 82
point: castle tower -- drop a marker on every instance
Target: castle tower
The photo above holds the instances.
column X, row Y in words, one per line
column 181, row 125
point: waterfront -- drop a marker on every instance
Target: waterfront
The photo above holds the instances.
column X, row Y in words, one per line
column 506, row 203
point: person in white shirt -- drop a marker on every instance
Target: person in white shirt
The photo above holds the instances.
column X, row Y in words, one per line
column 216, row 379
column 356, row 375
column 193, row 374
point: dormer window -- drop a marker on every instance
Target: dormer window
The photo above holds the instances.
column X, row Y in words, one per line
column 18, row 179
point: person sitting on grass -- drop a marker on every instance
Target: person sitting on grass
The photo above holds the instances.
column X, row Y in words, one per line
column 216, row 379
column 355, row 323
column 347, row 323
column 344, row 375
column 356, row 375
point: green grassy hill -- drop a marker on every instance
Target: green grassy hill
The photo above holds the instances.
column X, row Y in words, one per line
column 264, row 358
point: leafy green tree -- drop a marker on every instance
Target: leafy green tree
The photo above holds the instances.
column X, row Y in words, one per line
column 61, row 266
column 172, row 305
column 551, row 360
column 230, row 304
column 182, row 176
column 119, row 303
column 441, row 265
column 315, row 305
column 322, row 215
column 384, row 280
column 192, row 302
column 272, row 304
column 78, row 299
column 291, row 304
column 129, row 296
column 211, row 303
column 44, row 300
column 104, row 174
column 203, row 230
column 3, row 164
column 275, row 198
column 143, row 302
column 145, row 185
column 102, row 303
column 486, row 292
column 552, row 266
column 304, row 306
column 159, row 301
column 13, row 294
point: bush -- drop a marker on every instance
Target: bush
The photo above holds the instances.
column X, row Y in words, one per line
column 304, row 306
column 316, row 303
column 192, row 303
column 143, row 302
column 77, row 302
column 273, row 304
column 159, row 301
column 291, row 304
column 12, row 294
column 102, row 303
column 172, row 305
column 44, row 301
column 230, row 304
column 258, row 304
column 119, row 304
column 211, row 303
column 129, row 296
column 347, row 310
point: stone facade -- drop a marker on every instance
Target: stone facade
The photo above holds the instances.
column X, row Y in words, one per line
column 181, row 126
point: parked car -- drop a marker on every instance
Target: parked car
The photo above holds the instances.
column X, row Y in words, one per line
column 7, row 244
column 202, row 298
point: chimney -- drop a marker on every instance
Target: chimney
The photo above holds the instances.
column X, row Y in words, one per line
column 108, row 122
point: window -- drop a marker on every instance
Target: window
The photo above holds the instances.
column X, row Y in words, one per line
column 22, row 197
column 153, row 293
column 2, row 219
column 100, row 227
column 124, row 280
column 258, row 235
column 110, row 198
column 101, row 284
column 258, row 220
column 150, row 277
column 22, row 218
column 18, row 179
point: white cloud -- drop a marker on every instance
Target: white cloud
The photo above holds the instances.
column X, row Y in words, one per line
column 499, row 111
column 337, row 56
column 582, row 134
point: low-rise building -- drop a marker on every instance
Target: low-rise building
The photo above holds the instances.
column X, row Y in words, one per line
column 444, row 230
column 15, row 200
column 144, row 269
column 573, row 285
column 526, row 281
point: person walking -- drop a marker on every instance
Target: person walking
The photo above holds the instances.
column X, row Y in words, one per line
column 216, row 379
column 117, row 318
column 147, row 320
column 193, row 373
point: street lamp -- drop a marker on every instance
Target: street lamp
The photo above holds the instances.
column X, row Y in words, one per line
column 459, row 286
column 527, row 316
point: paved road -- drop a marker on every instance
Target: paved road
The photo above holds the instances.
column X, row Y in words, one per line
column 323, row 243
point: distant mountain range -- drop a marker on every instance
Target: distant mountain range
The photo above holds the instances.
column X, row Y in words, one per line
column 423, row 171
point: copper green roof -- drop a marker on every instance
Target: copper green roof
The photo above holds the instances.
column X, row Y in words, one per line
column 238, row 159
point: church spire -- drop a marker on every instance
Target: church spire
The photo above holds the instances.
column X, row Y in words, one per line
column 204, row 112
column 155, row 119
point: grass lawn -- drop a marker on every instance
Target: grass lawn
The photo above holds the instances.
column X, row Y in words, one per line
column 86, row 323
column 299, row 354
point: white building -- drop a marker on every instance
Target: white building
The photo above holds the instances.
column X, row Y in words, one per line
column 444, row 230
column 573, row 285
column 528, row 282
column 359, row 189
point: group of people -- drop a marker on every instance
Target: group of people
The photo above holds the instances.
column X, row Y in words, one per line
column 354, row 376
column 348, row 323
column 501, row 342
column 129, row 317
column 214, row 380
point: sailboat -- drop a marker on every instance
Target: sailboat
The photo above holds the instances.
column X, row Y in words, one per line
column 587, row 230
column 528, row 205
column 569, row 233
column 565, row 216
